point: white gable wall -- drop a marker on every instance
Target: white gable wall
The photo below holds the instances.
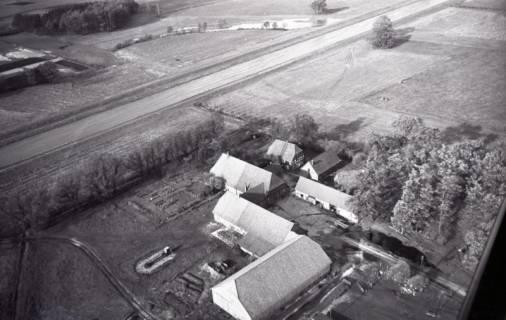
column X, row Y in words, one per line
column 310, row 170
column 225, row 296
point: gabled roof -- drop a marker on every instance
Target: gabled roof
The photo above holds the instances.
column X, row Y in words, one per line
column 244, row 176
column 264, row 229
column 286, row 150
column 323, row 193
column 276, row 277
column 324, row 162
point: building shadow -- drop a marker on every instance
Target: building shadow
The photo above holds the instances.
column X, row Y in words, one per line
column 467, row 131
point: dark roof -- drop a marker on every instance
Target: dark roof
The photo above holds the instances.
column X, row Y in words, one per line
column 325, row 162
column 277, row 276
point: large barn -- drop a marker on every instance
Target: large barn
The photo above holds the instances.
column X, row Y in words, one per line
column 262, row 230
column 249, row 181
column 327, row 197
column 260, row 289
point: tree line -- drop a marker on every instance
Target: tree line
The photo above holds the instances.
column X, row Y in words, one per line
column 420, row 185
column 103, row 178
column 80, row 18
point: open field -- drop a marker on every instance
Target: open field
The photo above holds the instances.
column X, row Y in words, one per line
column 9, row 258
column 159, row 59
column 60, row 278
column 459, row 84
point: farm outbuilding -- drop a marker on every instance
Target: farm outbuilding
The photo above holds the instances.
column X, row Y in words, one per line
column 249, row 181
column 322, row 165
column 262, row 230
column 260, row 289
column 327, row 197
column 285, row 153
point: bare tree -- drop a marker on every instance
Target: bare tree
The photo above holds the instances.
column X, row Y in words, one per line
column 68, row 190
column 104, row 175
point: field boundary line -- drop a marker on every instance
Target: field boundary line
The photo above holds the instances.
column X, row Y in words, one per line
column 166, row 83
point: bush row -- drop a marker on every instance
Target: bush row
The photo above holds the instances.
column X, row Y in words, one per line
column 80, row 18
column 45, row 72
column 102, row 178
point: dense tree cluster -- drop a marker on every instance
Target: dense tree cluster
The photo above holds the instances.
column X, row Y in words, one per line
column 302, row 128
column 102, row 178
column 82, row 18
column 421, row 185
column 383, row 33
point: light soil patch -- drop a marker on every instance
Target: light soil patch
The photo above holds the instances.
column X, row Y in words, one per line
column 486, row 4
column 463, row 22
column 177, row 54
column 330, row 87
column 467, row 89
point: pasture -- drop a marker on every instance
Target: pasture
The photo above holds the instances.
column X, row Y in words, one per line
column 448, row 73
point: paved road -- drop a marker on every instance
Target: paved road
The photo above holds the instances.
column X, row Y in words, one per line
column 102, row 266
column 97, row 124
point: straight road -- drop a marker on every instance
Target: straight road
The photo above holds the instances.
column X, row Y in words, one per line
column 97, row 124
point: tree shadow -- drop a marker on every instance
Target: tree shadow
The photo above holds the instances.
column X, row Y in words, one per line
column 467, row 131
column 334, row 10
column 343, row 131
column 402, row 36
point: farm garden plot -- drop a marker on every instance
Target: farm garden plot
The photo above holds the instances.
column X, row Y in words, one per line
column 174, row 194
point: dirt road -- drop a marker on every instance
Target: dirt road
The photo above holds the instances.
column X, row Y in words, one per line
column 97, row 124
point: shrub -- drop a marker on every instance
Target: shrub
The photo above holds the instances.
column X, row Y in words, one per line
column 383, row 33
column 319, row 6
column 222, row 24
